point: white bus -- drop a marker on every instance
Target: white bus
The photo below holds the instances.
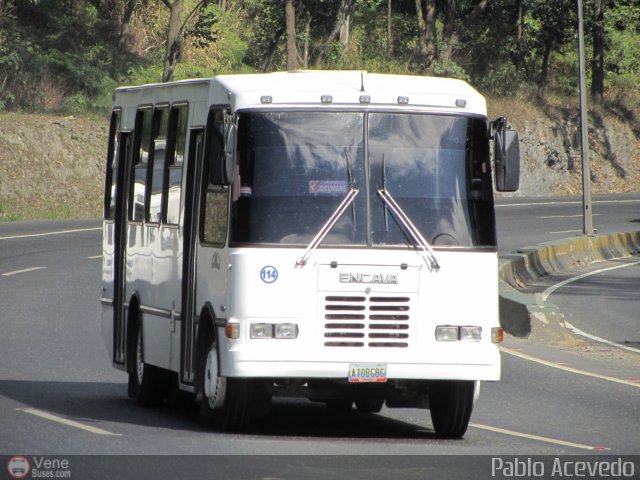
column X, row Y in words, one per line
column 324, row 235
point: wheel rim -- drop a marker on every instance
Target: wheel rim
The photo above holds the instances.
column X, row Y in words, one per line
column 214, row 385
column 139, row 360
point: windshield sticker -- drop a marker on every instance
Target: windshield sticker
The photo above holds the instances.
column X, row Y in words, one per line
column 268, row 274
column 328, row 187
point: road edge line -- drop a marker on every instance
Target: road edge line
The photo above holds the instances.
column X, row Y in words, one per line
column 547, row 363
column 539, row 438
column 65, row 421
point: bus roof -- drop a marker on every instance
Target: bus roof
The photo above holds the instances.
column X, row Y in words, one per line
column 318, row 88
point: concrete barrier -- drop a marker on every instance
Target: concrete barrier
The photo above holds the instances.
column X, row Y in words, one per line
column 529, row 315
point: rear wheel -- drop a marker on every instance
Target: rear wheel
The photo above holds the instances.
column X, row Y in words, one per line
column 146, row 382
column 451, row 403
column 225, row 400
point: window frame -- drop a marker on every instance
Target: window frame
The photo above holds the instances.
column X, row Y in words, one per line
column 136, row 160
column 115, row 124
column 208, row 187
column 156, row 124
column 170, row 163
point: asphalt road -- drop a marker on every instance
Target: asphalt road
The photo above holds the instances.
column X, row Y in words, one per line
column 601, row 301
column 527, row 222
column 60, row 397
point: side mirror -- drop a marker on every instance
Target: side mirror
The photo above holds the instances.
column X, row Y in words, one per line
column 230, row 154
column 220, row 147
column 506, row 151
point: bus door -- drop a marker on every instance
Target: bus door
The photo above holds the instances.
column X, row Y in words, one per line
column 192, row 194
column 119, row 246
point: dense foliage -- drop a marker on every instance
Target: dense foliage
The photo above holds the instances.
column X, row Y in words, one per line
column 68, row 55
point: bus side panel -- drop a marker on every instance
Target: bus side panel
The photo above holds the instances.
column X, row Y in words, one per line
column 106, row 304
column 143, row 278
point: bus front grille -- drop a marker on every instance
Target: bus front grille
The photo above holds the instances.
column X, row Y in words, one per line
column 361, row 321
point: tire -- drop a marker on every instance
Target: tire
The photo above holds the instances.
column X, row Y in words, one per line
column 147, row 383
column 370, row 405
column 224, row 400
column 451, row 403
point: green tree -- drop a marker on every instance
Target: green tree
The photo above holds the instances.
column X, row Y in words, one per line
column 553, row 27
column 597, row 65
column 199, row 21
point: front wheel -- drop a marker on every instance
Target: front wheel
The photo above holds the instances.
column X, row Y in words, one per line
column 226, row 400
column 451, row 403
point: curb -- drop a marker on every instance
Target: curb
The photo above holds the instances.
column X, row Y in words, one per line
column 527, row 315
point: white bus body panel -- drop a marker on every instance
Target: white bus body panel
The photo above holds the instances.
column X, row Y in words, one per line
column 462, row 293
column 106, row 304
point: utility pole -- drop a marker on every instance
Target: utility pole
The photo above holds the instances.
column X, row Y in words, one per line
column 584, row 139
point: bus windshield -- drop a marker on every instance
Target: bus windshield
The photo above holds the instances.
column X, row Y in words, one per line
column 296, row 168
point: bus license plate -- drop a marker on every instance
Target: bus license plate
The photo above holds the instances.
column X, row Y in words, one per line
column 367, row 372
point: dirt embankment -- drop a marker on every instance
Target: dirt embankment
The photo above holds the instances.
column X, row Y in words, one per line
column 551, row 154
column 53, row 167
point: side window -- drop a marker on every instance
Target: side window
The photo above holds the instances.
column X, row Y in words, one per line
column 178, row 127
column 111, row 172
column 141, row 147
column 215, row 198
column 157, row 163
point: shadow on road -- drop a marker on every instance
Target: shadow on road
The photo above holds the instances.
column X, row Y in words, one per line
column 89, row 402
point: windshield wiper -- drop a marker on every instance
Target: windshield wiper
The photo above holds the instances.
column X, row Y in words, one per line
column 428, row 255
column 327, row 226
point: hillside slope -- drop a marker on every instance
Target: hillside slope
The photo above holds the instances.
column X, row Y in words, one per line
column 551, row 154
column 52, row 167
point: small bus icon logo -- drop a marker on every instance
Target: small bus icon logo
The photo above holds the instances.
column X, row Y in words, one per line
column 18, row 467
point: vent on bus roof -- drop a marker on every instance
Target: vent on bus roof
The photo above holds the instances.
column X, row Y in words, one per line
column 356, row 321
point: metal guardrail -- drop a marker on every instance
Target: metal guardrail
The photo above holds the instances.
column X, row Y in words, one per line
column 525, row 314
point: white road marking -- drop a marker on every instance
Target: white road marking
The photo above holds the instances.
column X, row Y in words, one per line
column 558, row 285
column 65, row 421
column 577, row 331
column 94, row 257
column 538, row 437
column 565, row 231
column 44, row 234
column 568, row 369
column 24, row 270
column 565, row 216
column 570, row 202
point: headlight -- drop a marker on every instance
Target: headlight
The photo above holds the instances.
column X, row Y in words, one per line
column 286, row 330
column 261, row 330
column 471, row 334
column 449, row 333
column 446, row 333
column 270, row 330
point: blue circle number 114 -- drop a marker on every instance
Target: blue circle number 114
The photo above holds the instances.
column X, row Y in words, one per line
column 268, row 274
